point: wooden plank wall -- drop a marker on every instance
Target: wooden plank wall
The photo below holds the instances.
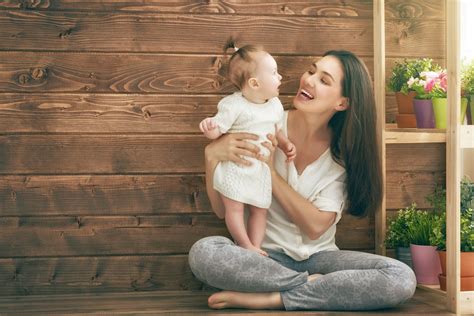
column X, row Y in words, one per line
column 101, row 160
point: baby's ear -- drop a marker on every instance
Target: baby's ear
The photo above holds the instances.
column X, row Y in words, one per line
column 253, row 83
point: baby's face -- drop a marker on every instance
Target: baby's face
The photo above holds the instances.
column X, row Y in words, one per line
column 268, row 77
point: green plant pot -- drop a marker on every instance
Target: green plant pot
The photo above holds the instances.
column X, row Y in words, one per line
column 440, row 108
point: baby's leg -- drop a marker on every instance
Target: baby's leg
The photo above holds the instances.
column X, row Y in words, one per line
column 234, row 219
column 257, row 222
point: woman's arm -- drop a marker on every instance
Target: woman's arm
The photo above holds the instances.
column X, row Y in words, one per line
column 229, row 147
column 312, row 221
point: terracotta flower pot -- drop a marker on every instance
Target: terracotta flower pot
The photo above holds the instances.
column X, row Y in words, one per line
column 405, row 102
column 406, row 121
column 467, row 271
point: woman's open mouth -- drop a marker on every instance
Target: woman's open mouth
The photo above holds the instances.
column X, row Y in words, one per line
column 306, row 95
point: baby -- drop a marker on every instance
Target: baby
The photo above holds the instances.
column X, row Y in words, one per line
column 255, row 108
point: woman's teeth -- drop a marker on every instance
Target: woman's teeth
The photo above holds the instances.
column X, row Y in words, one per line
column 307, row 94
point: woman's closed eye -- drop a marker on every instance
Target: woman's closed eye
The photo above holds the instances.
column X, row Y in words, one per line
column 324, row 81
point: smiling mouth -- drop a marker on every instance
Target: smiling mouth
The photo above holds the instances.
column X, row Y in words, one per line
column 306, row 94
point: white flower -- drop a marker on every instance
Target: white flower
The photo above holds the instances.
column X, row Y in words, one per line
column 411, row 81
column 429, row 74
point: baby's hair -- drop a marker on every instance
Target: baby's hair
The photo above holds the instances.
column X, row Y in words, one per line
column 241, row 64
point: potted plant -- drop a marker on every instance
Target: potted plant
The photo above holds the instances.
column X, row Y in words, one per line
column 420, row 233
column 422, row 104
column 432, row 85
column 413, row 228
column 437, row 85
column 467, row 84
column 396, row 236
column 467, row 233
column 401, row 73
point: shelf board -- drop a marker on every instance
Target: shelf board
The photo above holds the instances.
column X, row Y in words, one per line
column 431, row 288
column 466, row 297
column 394, row 135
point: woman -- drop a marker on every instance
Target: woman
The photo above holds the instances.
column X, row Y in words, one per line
column 337, row 168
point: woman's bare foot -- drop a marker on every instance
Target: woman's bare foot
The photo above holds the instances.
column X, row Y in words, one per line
column 313, row 277
column 229, row 299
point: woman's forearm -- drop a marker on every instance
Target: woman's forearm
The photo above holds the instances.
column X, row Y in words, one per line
column 312, row 222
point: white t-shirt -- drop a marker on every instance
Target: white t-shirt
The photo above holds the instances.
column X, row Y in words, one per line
column 323, row 183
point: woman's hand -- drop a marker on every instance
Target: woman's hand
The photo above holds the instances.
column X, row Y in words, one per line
column 231, row 147
column 271, row 145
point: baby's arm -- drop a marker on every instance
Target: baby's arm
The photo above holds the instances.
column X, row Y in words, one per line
column 286, row 145
column 209, row 127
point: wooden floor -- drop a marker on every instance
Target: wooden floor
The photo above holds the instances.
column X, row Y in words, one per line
column 179, row 303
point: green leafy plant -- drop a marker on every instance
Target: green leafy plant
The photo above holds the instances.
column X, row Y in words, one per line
column 420, row 230
column 396, row 232
column 403, row 71
column 467, row 216
column 467, row 77
column 411, row 226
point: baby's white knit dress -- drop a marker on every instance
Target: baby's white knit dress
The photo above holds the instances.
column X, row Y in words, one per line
column 247, row 184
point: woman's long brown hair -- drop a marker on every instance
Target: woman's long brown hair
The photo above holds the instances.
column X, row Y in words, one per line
column 354, row 144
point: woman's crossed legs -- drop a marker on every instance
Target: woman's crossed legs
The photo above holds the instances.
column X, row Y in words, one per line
column 350, row 280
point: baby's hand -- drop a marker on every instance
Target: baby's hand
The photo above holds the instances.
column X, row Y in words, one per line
column 207, row 125
column 290, row 152
column 210, row 129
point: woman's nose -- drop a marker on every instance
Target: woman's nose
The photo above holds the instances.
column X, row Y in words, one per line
column 309, row 80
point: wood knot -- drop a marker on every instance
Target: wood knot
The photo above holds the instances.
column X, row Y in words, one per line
column 66, row 33
column 146, row 114
column 24, row 79
column 29, row 4
column 216, row 84
column 38, row 73
column 217, row 63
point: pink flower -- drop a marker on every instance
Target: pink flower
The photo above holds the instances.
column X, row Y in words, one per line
column 429, row 85
column 443, row 80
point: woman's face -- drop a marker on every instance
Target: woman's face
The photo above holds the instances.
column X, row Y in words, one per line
column 320, row 88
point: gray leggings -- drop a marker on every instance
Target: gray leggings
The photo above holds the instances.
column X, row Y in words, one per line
column 351, row 280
